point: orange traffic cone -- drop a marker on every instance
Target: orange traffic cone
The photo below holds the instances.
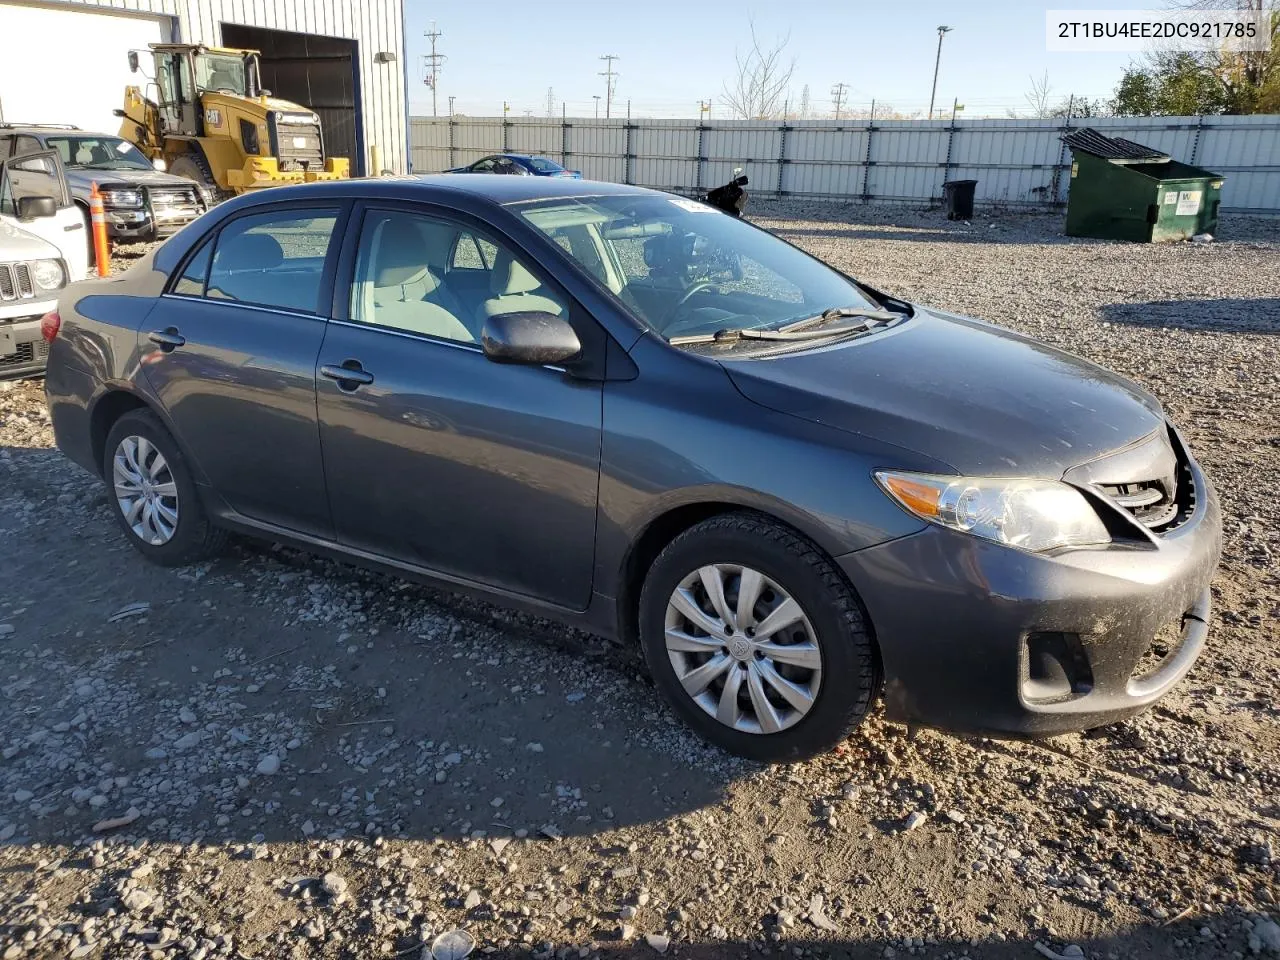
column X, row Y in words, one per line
column 101, row 245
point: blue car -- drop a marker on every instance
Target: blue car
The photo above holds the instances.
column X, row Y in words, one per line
column 520, row 165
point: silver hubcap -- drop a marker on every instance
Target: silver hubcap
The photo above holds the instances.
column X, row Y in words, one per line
column 145, row 490
column 742, row 648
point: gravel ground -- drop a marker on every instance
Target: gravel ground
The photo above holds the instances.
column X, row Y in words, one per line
column 273, row 755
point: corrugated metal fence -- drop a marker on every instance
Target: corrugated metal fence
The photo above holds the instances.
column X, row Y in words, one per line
column 1016, row 162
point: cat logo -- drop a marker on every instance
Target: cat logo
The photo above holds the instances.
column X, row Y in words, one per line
column 213, row 117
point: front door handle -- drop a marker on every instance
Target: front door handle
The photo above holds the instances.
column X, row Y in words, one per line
column 167, row 339
column 349, row 376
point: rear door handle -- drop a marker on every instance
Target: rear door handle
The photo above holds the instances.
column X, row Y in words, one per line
column 349, row 376
column 167, row 339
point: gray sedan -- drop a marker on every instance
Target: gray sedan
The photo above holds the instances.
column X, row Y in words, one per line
column 646, row 418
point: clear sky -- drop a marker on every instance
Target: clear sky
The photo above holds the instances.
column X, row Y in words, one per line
column 675, row 52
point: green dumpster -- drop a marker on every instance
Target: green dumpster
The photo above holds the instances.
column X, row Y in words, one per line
column 1121, row 190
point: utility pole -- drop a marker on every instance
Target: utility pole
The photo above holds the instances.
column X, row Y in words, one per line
column 704, row 109
column 942, row 32
column 431, row 64
column 609, row 77
column 837, row 95
column 596, row 98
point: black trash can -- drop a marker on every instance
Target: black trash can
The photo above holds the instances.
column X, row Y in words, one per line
column 958, row 196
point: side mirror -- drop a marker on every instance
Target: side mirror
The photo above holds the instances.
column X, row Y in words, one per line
column 32, row 208
column 133, row 61
column 532, row 338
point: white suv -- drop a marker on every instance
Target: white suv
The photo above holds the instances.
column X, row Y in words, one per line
column 42, row 249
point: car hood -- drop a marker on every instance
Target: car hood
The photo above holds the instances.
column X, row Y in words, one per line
column 81, row 179
column 981, row 398
column 16, row 244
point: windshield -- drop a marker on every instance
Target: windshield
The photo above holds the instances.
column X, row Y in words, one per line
column 687, row 269
column 98, row 153
column 219, row 72
column 543, row 165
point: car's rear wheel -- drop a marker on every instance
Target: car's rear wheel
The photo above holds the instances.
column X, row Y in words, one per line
column 153, row 494
column 756, row 640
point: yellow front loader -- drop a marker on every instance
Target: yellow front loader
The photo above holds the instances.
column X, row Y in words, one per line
column 212, row 122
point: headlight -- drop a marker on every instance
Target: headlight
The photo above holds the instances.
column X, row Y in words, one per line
column 122, row 198
column 48, row 274
column 1033, row 515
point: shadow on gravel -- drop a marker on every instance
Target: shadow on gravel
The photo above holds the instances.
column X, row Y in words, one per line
column 275, row 696
column 1226, row 315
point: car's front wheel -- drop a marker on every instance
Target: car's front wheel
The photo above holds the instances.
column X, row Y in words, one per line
column 153, row 494
column 756, row 640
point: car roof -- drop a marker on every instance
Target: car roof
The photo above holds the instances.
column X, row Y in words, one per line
column 498, row 190
column 51, row 130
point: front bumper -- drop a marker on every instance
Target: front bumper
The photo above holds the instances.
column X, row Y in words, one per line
column 22, row 348
column 136, row 226
column 261, row 172
column 980, row 638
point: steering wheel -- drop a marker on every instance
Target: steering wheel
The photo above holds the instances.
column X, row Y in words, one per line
column 688, row 295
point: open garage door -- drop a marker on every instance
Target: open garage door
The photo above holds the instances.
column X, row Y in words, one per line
column 69, row 64
column 315, row 71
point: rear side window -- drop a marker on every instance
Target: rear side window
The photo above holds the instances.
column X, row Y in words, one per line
column 196, row 272
column 270, row 259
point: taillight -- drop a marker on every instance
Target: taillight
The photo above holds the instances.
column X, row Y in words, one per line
column 50, row 324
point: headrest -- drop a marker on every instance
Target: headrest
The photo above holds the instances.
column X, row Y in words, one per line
column 250, row 251
column 398, row 255
column 510, row 277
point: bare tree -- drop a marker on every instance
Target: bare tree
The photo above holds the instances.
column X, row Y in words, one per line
column 761, row 78
column 1039, row 97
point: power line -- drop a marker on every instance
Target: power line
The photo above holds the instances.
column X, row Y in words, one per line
column 431, row 64
column 837, row 96
column 609, row 77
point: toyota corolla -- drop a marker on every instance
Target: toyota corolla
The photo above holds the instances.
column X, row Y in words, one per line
column 791, row 491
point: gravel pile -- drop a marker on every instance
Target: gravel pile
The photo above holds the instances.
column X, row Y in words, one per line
column 273, row 755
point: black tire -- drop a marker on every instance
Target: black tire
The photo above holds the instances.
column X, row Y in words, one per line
column 192, row 166
column 850, row 668
column 194, row 538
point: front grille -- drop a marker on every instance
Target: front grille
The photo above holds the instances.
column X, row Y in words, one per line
column 27, row 353
column 298, row 146
column 1148, row 501
column 1160, row 505
column 15, row 282
column 174, row 203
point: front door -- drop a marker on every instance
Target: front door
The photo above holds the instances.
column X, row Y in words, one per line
column 40, row 174
column 231, row 352
column 435, row 455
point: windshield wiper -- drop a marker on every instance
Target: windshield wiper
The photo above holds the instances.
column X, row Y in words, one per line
column 837, row 313
column 733, row 335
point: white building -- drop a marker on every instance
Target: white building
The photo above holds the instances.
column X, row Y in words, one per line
column 67, row 62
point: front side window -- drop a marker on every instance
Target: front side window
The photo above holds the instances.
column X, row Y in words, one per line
column 685, row 269
column 419, row 274
column 31, row 176
column 98, row 153
column 221, row 74
column 272, row 259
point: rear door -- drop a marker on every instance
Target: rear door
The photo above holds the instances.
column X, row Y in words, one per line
column 231, row 348
column 40, row 174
